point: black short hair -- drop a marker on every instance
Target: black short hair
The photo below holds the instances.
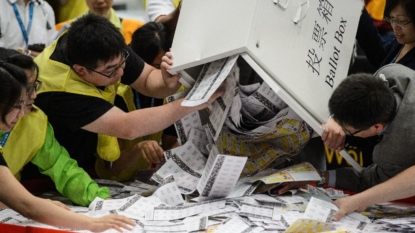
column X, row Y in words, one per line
column 18, row 59
column 407, row 5
column 13, row 80
column 362, row 100
column 93, row 40
column 148, row 40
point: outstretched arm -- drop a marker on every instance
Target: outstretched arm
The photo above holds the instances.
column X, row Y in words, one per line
column 398, row 187
column 14, row 195
column 72, row 181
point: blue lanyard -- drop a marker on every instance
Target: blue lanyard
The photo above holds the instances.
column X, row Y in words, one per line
column 4, row 139
column 394, row 59
column 25, row 31
column 137, row 100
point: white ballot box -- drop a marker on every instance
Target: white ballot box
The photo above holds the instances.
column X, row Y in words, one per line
column 301, row 48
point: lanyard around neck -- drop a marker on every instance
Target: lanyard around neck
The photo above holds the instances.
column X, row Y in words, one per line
column 137, row 100
column 25, row 31
column 4, row 139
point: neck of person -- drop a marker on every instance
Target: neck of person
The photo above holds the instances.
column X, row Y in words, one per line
column 406, row 48
column 107, row 15
column 26, row 2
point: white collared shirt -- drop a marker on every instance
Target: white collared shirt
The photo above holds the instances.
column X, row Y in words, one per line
column 11, row 33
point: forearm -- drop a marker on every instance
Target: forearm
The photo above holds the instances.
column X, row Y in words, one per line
column 72, row 181
column 155, row 86
column 398, row 187
column 150, row 120
column 14, row 195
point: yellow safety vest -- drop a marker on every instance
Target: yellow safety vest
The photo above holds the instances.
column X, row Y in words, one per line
column 59, row 77
column 127, row 26
column 25, row 140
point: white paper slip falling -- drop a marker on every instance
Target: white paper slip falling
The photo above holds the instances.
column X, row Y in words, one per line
column 186, row 165
column 220, row 175
column 210, row 78
column 169, row 194
column 221, row 106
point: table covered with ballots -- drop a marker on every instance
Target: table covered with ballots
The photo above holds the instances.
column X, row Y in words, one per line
column 279, row 61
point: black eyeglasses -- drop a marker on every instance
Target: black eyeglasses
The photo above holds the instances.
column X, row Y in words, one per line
column 348, row 133
column 399, row 23
column 21, row 105
column 126, row 55
column 35, row 87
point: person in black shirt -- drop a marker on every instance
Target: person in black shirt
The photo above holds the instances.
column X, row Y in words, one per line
column 80, row 74
column 12, row 194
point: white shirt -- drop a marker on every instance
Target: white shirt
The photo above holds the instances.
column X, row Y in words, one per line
column 11, row 33
column 155, row 8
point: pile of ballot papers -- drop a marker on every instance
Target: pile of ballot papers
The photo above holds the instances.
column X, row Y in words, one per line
column 158, row 209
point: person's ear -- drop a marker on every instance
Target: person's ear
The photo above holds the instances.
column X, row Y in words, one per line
column 80, row 70
column 379, row 127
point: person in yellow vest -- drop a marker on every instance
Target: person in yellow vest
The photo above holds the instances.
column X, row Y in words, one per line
column 41, row 147
column 12, row 194
column 150, row 42
column 104, row 9
column 71, row 9
column 81, row 72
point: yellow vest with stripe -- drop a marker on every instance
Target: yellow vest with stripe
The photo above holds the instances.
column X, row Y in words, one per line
column 61, row 78
column 25, row 140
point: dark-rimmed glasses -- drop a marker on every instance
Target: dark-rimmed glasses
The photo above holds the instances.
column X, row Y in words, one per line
column 126, row 54
column 21, row 105
column 399, row 23
column 35, row 87
column 348, row 133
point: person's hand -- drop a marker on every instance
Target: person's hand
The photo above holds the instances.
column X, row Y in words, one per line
column 60, row 204
column 347, row 205
column 333, row 135
column 288, row 186
column 151, row 151
column 111, row 221
column 171, row 81
column 219, row 92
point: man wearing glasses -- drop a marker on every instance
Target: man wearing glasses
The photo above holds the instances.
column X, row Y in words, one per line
column 80, row 73
column 366, row 105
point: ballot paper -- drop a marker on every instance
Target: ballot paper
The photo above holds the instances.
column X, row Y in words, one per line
column 187, row 225
column 210, row 78
column 220, row 175
column 299, row 172
column 309, row 226
column 329, row 192
column 324, row 211
column 186, row 165
column 186, row 79
column 263, row 211
column 259, row 102
column 221, row 106
column 169, row 194
column 235, row 225
column 111, row 204
column 183, row 126
column 286, row 139
column 138, row 205
column 200, row 139
column 178, row 212
column 292, row 199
